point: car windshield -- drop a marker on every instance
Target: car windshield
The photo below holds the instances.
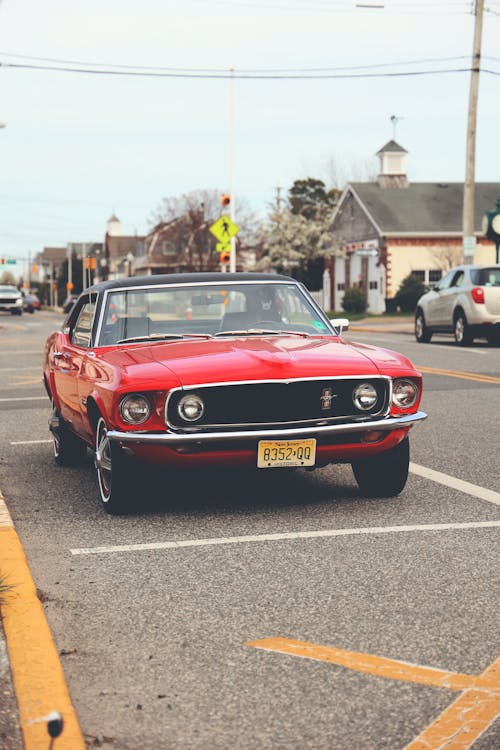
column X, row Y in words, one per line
column 486, row 276
column 8, row 288
column 205, row 310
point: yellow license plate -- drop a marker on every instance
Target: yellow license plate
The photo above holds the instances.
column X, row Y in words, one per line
column 272, row 453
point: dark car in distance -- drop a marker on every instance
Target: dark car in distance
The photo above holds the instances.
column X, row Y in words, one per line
column 31, row 302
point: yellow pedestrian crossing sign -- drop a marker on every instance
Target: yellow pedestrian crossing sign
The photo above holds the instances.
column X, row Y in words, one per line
column 223, row 247
column 224, row 228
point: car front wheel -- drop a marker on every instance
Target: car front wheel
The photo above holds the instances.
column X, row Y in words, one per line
column 114, row 473
column 422, row 333
column 463, row 336
column 385, row 474
column 69, row 450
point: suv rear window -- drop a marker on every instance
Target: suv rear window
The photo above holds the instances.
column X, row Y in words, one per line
column 486, row 276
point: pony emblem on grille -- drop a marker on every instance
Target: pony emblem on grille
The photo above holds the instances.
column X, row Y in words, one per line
column 326, row 398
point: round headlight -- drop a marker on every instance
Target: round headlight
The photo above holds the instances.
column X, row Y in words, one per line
column 364, row 396
column 404, row 393
column 191, row 408
column 135, row 408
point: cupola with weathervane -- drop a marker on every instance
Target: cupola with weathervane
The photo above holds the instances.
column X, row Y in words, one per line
column 392, row 166
column 113, row 226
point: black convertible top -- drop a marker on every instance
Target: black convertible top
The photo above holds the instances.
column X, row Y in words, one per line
column 184, row 278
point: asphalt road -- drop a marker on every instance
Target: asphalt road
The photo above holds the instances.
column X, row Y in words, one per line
column 164, row 647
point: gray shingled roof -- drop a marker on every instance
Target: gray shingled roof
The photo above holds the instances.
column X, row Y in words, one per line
column 424, row 207
column 392, row 147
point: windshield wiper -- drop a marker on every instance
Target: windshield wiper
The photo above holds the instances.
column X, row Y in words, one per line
column 164, row 337
column 262, row 332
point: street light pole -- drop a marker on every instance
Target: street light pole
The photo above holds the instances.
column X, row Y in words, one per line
column 470, row 157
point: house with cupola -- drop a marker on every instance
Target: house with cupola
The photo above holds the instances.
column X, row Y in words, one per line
column 389, row 228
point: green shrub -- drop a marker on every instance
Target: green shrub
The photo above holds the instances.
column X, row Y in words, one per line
column 410, row 290
column 354, row 300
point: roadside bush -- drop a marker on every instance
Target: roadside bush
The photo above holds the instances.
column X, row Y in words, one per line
column 408, row 293
column 354, row 300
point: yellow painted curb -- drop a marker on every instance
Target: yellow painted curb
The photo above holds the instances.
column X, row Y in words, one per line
column 37, row 673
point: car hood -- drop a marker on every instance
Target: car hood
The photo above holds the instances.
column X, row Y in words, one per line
column 271, row 357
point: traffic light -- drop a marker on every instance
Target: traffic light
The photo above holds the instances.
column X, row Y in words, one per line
column 225, row 257
column 225, row 200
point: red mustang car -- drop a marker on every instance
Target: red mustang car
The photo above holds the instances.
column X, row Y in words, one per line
column 223, row 369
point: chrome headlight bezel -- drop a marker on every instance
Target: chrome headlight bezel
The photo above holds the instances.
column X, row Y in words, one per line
column 142, row 408
column 404, row 393
column 364, row 396
column 191, row 408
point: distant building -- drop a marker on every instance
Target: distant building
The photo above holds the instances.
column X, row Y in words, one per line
column 120, row 252
column 387, row 229
column 48, row 263
column 182, row 245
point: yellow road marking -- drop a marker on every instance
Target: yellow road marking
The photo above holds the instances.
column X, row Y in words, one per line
column 466, row 719
column 37, row 673
column 458, row 374
column 456, row 728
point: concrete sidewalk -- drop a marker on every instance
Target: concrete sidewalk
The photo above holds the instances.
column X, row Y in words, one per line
column 381, row 324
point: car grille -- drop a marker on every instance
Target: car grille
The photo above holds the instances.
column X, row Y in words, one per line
column 290, row 403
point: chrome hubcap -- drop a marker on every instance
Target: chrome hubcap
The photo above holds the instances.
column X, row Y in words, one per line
column 103, row 460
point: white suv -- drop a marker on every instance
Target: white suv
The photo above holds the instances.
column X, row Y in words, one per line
column 466, row 302
column 11, row 299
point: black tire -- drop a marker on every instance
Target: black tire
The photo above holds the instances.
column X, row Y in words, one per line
column 461, row 330
column 114, row 473
column 383, row 475
column 493, row 338
column 69, row 450
column 422, row 333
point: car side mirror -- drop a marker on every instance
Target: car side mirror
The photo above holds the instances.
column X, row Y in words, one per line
column 340, row 324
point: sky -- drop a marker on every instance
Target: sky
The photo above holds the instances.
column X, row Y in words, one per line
column 77, row 147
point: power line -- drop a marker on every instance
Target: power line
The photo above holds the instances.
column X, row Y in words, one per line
column 462, row 7
column 156, row 68
column 229, row 74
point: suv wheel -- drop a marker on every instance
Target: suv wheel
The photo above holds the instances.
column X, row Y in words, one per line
column 463, row 336
column 422, row 333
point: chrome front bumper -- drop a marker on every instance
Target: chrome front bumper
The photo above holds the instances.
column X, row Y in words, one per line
column 206, row 438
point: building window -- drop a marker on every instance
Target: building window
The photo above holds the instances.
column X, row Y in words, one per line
column 435, row 276
column 429, row 276
column 373, row 285
column 340, row 287
column 168, row 247
column 420, row 275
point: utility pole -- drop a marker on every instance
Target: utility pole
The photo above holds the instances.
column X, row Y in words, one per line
column 469, row 240
column 232, row 257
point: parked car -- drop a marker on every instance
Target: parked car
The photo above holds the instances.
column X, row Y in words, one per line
column 223, row 370
column 31, row 302
column 466, row 302
column 69, row 302
column 11, row 299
